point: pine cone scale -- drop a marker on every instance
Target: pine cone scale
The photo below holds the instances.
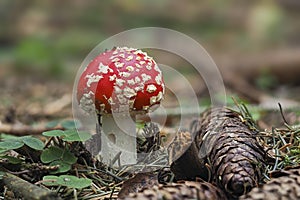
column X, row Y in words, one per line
column 284, row 184
column 180, row 191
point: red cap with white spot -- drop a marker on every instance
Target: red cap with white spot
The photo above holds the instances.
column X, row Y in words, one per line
column 119, row 80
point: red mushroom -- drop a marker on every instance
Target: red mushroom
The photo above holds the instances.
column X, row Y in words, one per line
column 118, row 84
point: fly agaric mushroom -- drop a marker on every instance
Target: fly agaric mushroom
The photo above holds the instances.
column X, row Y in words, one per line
column 117, row 85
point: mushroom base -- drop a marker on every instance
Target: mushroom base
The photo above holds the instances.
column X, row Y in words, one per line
column 118, row 140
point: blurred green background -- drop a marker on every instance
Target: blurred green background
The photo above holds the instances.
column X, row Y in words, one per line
column 52, row 37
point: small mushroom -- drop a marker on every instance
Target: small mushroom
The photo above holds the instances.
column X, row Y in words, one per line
column 117, row 85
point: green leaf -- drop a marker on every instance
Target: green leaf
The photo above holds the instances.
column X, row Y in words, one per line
column 68, row 157
column 63, row 167
column 3, row 151
column 74, row 182
column 33, row 143
column 52, row 124
column 10, row 144
column 69, row 124
column 84, row 136
column 74, row 135
column 11, row 159
column 7, row 136
column 53, row 133
column 67, row 180
column 51, row 154
column 57, row 156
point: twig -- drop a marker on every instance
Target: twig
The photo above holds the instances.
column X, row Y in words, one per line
column 21, row 129
column 282, row 115
column 26, row 190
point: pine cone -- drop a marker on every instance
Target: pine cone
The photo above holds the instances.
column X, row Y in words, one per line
column 231, row 149
column 285, row 184
column 180, row 191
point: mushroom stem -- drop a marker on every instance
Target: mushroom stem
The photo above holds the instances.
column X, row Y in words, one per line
column 119, row 135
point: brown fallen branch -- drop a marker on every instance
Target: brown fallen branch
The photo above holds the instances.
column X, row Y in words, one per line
column 60, row 107
column 248, row 90
column 240, row 73
column 26, row 190
column 283, row 64
column 21, row 129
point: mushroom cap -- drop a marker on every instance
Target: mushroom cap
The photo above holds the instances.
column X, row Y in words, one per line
column 120, row 80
